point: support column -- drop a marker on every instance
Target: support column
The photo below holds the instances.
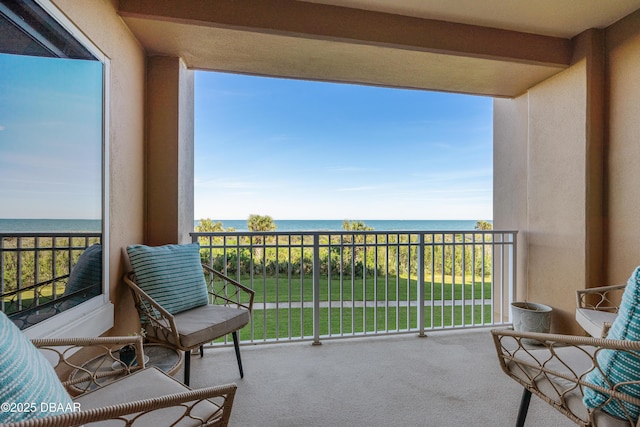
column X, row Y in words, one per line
column 169, row 164
column 549, row 181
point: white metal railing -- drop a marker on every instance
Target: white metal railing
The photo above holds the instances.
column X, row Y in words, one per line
column 331, row 284
column 34, row 269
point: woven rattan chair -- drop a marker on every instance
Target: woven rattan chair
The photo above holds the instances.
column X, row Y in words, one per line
column 556, row 371
column 597, row 308
column 229, row 308
column 124, row 395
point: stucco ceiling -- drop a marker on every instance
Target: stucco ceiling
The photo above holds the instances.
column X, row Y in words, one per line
column 489, row 47
column 559, row 18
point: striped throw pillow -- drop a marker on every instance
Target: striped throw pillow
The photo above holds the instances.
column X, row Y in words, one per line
column 616, row 366
column 172, row 275
column 29, row 387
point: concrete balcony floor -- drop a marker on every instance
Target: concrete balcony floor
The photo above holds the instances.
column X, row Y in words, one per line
column 446, row 379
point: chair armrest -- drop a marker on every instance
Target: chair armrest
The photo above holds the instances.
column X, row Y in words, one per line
column 131, row 413
column 555, row 370
column 63, row 353
column 227, row 290
column 600, row 298
column 159, row 319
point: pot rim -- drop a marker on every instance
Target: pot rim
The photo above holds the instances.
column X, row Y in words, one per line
column 531, row 306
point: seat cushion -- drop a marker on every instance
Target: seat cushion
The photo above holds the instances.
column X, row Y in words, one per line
column 172, row 275
column 26, row 377
column 206, row 323
column 592, row 321
column 145, row 384
column 617, row 367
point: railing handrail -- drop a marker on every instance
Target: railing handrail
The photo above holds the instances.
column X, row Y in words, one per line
column 345, row 232
column 369, row 274
column 60, row 234
column 34, row 271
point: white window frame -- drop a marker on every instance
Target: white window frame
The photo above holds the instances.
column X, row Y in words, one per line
column 95, row 316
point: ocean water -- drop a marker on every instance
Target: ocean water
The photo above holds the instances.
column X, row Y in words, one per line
column 49, row 225
column 91, row 225
column 378, row 225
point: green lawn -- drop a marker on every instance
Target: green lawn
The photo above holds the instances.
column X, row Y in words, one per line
column 298, row 323
column 11, row 303
column 392, row 288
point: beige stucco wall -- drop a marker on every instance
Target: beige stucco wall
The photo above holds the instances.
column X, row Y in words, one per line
column 510, row 130
column 98, row 20
column 539, row 188
column 556, row 192
column 623, row 159
column 577, row 204
column 539, row 182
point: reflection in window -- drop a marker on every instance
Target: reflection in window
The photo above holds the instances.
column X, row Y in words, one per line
column 51, row 139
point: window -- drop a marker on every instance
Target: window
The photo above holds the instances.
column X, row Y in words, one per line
column 52, row 169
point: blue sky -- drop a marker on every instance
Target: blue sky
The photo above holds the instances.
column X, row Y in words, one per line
column 50, row 138
column 286, row 148
column 309, row 150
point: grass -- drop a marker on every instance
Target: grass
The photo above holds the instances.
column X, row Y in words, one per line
column 391, row 288
column 298, row 323
column 27, row 298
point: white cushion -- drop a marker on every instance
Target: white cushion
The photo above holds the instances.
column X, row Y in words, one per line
column 146, row 384
column 592, row 321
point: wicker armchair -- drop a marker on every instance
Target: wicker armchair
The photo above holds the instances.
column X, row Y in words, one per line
column 555, row 371
column 127, row 395
column 597, row 308
column 229, row 309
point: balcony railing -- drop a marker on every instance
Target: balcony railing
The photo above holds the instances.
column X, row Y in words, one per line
column 320, row 285
column 34, row 274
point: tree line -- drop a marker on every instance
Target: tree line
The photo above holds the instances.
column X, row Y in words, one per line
column 347, row 254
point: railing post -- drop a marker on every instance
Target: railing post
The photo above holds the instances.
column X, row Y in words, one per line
column 514, row 273
column 316, row 289
column 420, row 285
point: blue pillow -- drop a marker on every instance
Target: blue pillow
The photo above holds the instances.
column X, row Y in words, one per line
column 172, row 275
column 85, row 280
column 27, row 379
column 617, row 366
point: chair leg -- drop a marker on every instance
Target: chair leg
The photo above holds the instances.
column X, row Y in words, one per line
column 236, row 344
column 187, row 366
column 524, row 408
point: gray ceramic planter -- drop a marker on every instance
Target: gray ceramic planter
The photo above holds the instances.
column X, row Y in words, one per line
column 531, row 317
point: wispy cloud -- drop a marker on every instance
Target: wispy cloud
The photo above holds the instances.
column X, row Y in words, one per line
column 359, row 189
column 2, row 128
column 340, row 151
column 454, row 175
column 349, row 169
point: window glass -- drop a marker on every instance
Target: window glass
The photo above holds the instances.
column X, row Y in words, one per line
column 51, row 166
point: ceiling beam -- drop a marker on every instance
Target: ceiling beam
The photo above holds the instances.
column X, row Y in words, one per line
column 335, row 23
